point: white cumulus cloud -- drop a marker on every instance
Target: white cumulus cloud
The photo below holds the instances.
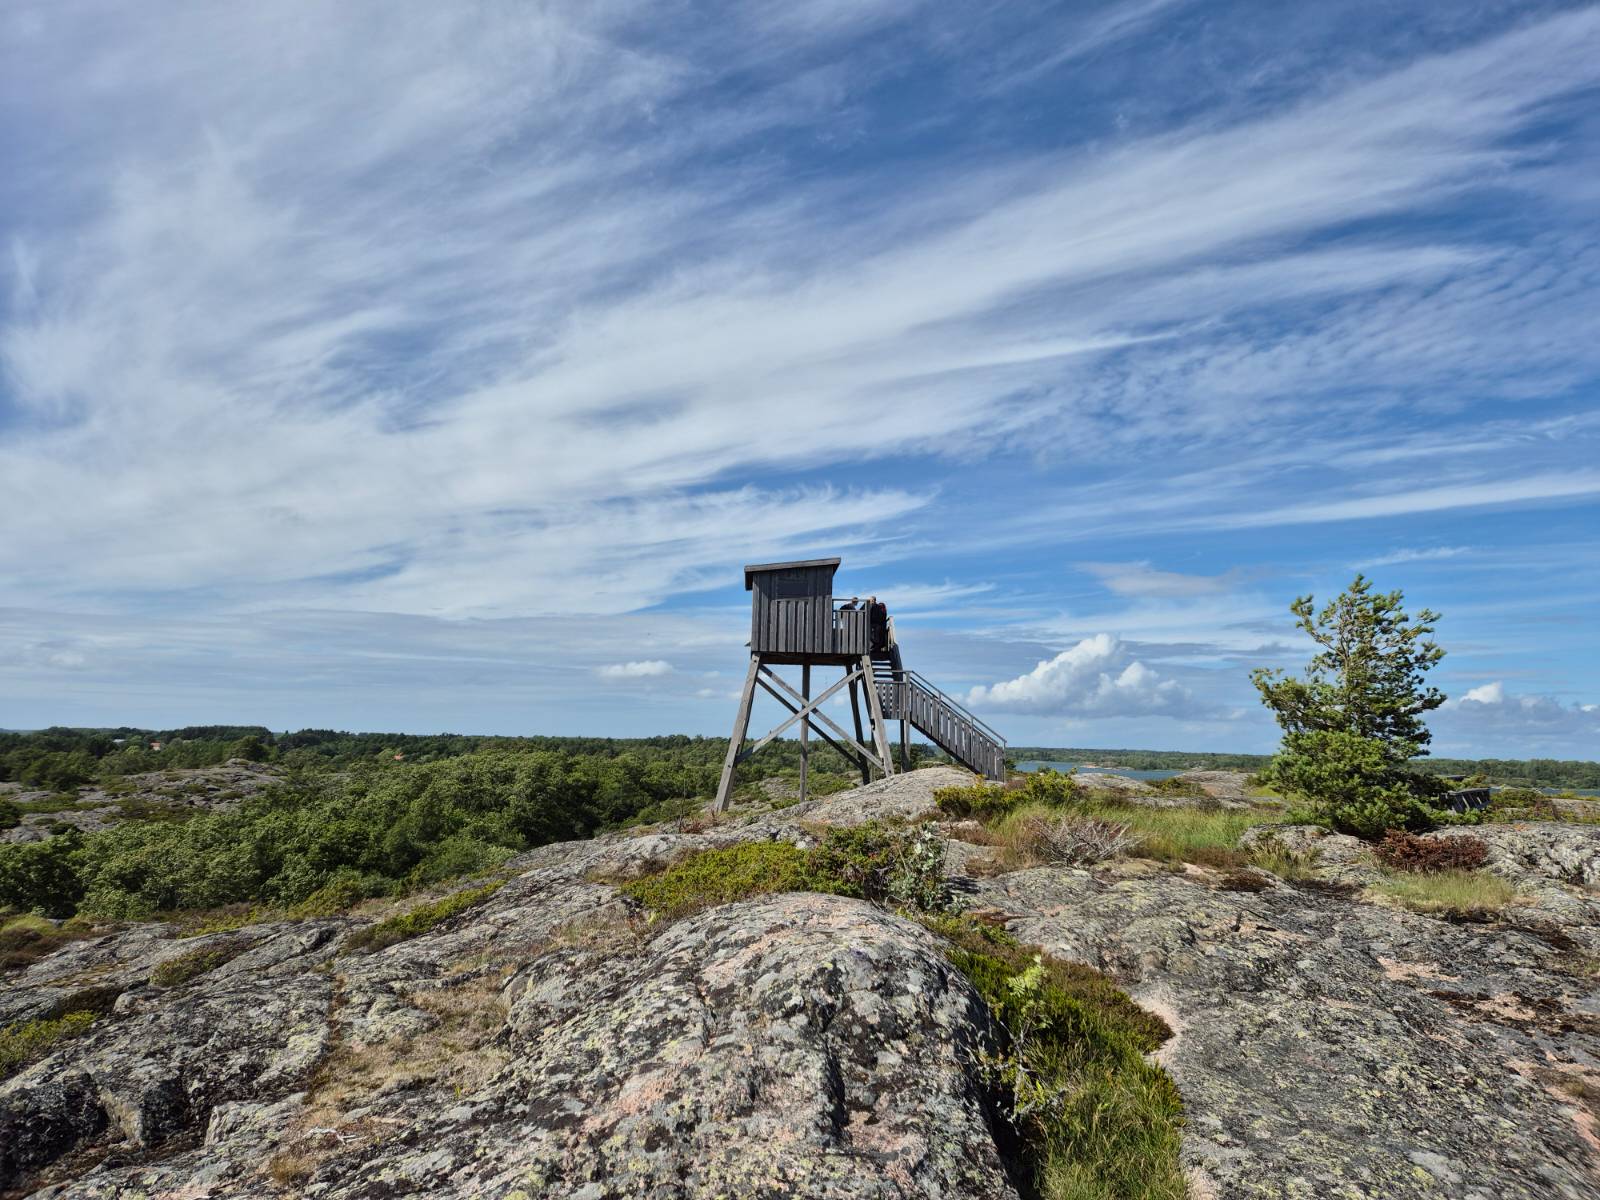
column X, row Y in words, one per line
column 1098, row 677
column 1489, row 719
column 1488, row 693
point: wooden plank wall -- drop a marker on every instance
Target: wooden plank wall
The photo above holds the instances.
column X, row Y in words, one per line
column 793, row 624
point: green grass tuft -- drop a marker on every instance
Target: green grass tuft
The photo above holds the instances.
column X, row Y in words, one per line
column 1467, row 892
column 1096, row 1120
column 1182, row 833
column 1270, row 854
column 418, row 920
column 1187, row 834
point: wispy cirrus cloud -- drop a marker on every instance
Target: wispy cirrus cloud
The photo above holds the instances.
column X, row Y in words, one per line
column 499, row 312
column 1141, row 579
column 1419, row 554
column 649, row 668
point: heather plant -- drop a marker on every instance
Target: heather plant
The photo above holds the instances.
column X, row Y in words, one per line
column 418, row 920
column 894, row 865
column 1402, row 851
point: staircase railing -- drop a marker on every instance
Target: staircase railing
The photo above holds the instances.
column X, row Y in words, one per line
column 906, row 695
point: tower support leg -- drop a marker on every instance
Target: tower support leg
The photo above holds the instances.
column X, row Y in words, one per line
column 855, row 712
column 805, row 730
column 741, row 726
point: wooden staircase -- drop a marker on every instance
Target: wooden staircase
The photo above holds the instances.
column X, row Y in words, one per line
column 907, row 696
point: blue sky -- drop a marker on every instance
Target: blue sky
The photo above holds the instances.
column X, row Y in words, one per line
column 437, row 367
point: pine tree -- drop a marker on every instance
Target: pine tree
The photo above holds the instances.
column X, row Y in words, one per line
column 1355, row 719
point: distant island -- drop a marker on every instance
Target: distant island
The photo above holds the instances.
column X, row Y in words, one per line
column 1524, row 772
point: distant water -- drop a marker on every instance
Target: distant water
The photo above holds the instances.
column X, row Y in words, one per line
column 1064, row 767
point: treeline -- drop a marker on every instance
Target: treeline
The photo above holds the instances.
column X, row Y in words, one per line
column 61, row 759
column 1530, row 772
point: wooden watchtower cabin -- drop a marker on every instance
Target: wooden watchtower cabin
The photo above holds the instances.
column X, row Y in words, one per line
column 797, row 621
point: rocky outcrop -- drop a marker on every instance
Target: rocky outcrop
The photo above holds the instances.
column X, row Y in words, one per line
column 98, row 808
column 1327, row 1047
column 552, row 1042
column 1232, row 786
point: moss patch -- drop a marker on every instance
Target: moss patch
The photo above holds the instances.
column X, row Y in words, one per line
column 27, row 1041
column 418, row 920
column 1096, row 1120
column 194, row 963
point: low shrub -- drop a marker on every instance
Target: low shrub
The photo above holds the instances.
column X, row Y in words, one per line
column 42, row 877
column 10, row 814
column 1518, row 797
column 721, row 876
column 1050, row 788
column 887, row 864
column 1470, row 893
column 992, row 801
column 27, row 1041
column 194, row 923
column 1096, row 1120
column 1523, row 804
column 195, row 963
column 1402, row 851
column 414, row 921
column 53, row 803
column 981, row 801
column 1074, row 841
column 27, row 938
column 345, row 890
column 1174, row 786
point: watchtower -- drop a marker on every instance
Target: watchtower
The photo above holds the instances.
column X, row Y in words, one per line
column 795, row 620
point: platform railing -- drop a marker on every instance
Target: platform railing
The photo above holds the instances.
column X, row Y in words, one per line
column 852, row 629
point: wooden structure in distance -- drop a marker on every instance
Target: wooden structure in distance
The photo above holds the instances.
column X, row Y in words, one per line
column 796, row 621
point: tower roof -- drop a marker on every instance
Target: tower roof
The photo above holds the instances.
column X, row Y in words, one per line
column 758, row 568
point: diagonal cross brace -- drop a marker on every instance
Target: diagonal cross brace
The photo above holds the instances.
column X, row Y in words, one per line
column 807, row 707
column 810, row 706
column 865, row 757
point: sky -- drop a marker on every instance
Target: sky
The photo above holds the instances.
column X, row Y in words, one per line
column 438, row 367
